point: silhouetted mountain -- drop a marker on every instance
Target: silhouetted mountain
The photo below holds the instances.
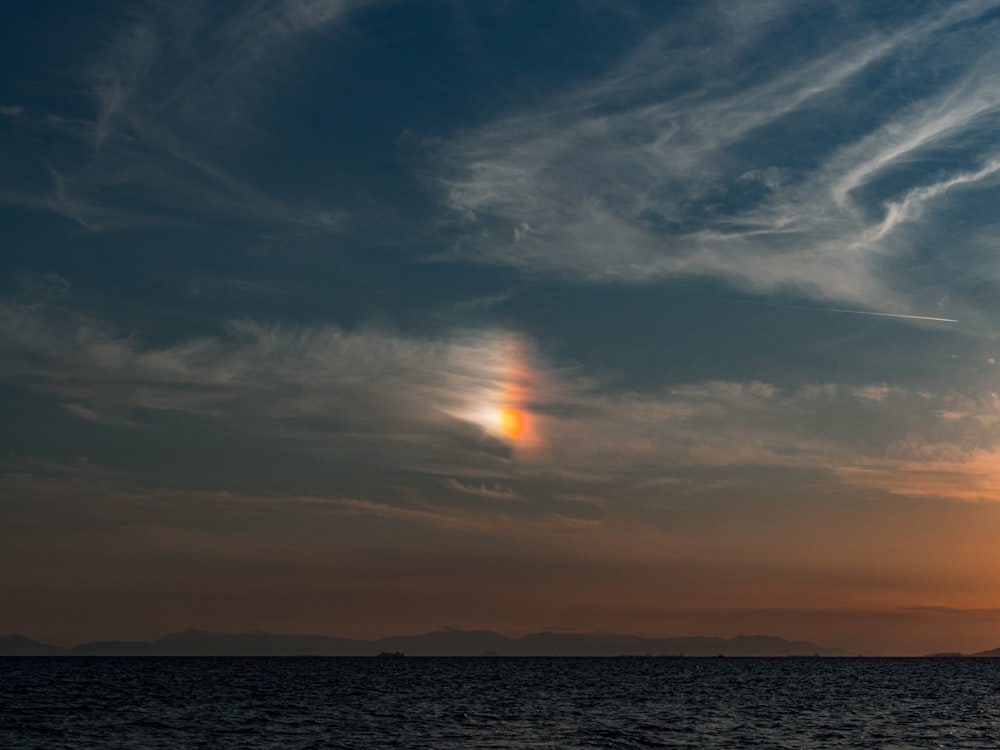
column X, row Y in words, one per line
column 111, row 648
column 18, row 645
column 200, row 643
column 563, row 644
column 437, row 643
column 184, row 637
column 579, row 644
column 446, row 643
column 993, row 652
column 769, row 645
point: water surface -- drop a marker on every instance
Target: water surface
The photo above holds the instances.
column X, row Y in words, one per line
column 311, row 703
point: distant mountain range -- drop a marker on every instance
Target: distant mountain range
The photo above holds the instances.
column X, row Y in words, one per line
column 437, row 643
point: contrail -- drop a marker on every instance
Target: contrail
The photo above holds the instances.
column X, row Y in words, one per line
column 886, row 315
column 839, row 310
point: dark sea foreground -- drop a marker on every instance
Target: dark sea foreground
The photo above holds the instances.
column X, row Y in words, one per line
column 251, row 703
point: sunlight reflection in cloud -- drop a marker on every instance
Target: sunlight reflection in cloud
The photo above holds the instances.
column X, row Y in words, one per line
column 500, row 404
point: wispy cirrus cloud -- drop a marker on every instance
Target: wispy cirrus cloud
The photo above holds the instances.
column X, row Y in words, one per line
column 81, row 466
column 793, row 172
column 176, row 90
column 495, row 491
column 973, row 477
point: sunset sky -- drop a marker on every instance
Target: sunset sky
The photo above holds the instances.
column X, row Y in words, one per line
column 372, row 317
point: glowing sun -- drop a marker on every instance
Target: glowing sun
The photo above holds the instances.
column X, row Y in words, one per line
column 512, row 423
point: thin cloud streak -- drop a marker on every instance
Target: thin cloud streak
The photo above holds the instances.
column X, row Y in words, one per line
column 892, row 315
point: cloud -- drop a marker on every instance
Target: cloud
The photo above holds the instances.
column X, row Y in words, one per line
column 466, row 521
column 43, row 286
column 433, row 405
column 174, row 93
column 319, row 385
column 49, row 506
column 494, row 491
column 81, row 466
column 264, row 25
column 695, row 159
column 974, row 476
column 946, row 447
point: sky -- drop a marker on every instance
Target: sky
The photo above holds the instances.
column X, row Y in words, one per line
column 373, row 317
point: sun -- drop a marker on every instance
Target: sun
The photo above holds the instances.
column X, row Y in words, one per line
column 512, row 423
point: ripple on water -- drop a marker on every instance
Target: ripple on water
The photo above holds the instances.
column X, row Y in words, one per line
column 312, row 703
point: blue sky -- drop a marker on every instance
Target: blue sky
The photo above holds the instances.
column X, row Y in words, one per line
column 649, row 317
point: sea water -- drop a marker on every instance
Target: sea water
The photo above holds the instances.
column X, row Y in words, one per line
column 252, row 703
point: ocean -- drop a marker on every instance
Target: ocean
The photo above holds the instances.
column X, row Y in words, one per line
column 306, row 703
